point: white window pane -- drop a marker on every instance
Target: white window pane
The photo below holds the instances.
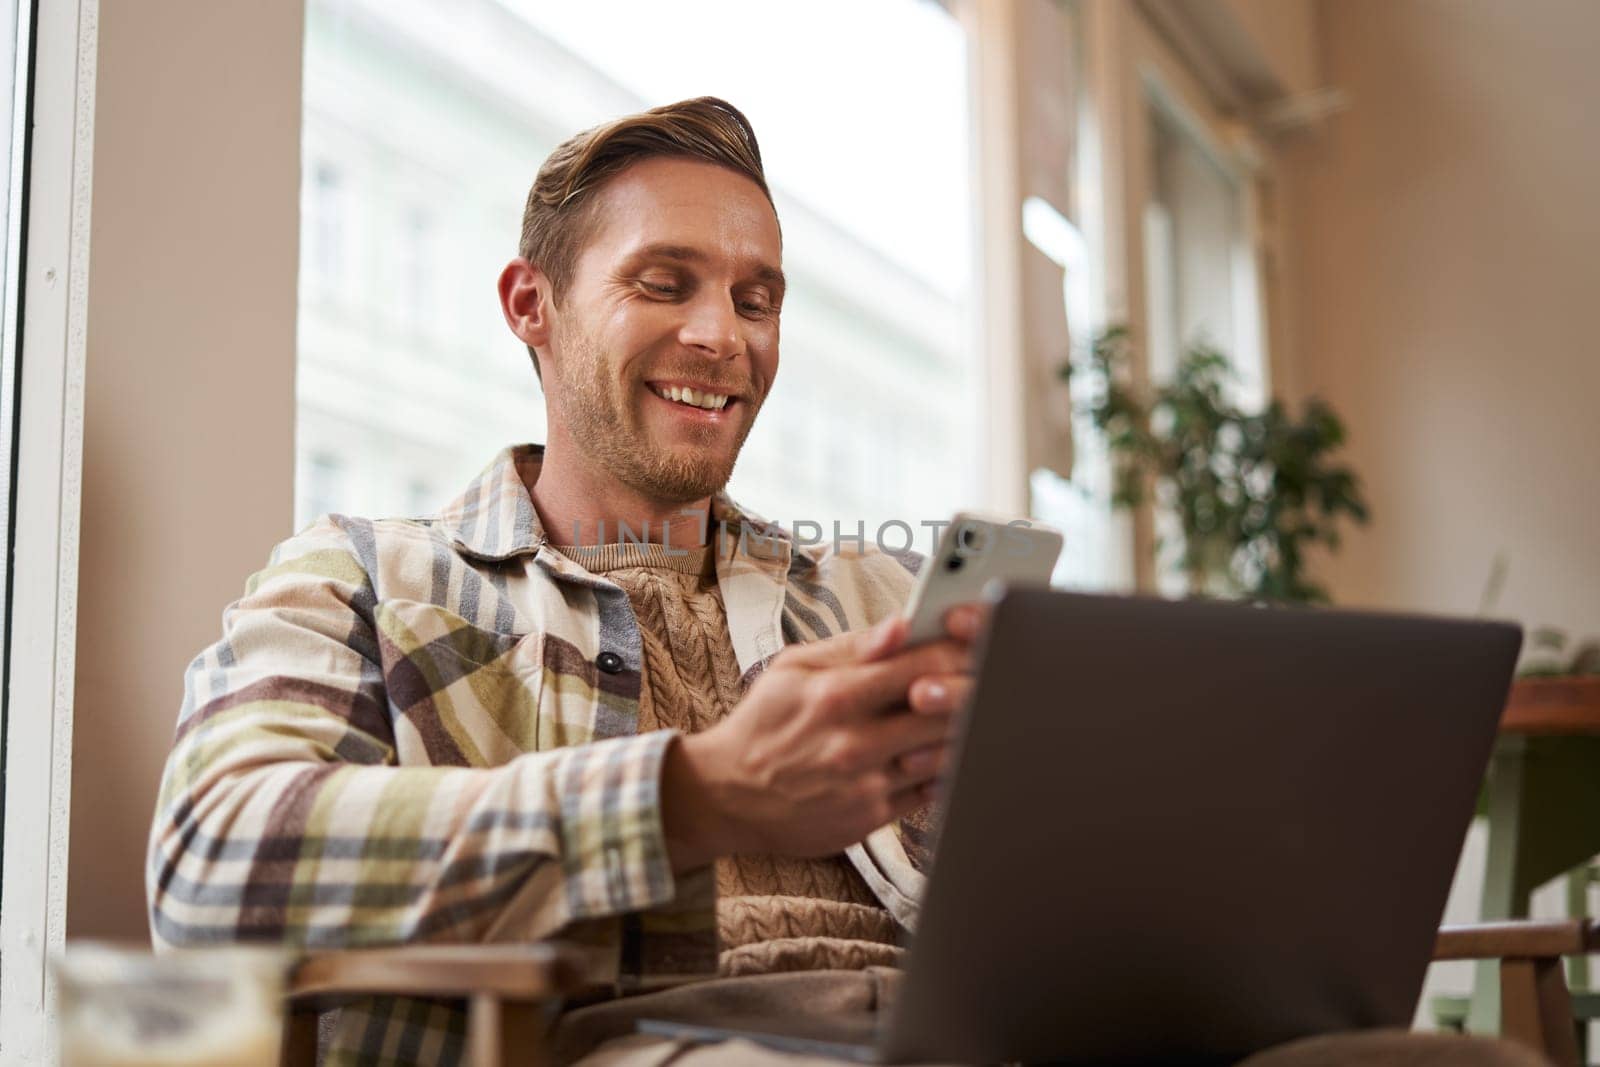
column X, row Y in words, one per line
column 1199, row 264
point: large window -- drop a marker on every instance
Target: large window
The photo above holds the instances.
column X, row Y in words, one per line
column 1199, row 261
column 424, row 126
column 1200, row 264
column 1159, row 235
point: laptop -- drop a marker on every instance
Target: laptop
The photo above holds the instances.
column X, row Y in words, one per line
column 1185, row 831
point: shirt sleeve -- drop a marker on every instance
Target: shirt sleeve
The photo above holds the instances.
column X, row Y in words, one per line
column 282, row 816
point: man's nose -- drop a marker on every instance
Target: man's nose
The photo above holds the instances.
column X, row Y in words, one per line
column 713, row 326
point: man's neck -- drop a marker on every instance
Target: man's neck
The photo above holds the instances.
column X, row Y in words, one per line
column 579, row 506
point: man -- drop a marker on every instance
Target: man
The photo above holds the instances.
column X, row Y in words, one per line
column 482, row 727
column 512, row 721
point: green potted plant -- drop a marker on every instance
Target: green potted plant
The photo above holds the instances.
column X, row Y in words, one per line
column 1252, row 491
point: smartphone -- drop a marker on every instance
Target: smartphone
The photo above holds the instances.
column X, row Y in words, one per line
column 973, row 552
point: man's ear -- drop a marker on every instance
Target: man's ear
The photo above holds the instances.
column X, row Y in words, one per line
column 526, row 300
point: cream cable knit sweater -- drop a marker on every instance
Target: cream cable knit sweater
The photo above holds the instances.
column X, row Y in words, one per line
column 773, row 913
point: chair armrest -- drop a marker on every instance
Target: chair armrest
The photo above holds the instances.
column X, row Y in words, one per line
column 1535, row 1005
column 510, row 972
column 502, row 984
column 1523, row 939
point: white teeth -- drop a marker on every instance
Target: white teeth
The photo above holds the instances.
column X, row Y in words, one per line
column 684, row 395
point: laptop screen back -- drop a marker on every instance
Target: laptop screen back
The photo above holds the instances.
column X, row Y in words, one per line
column 1197, row 829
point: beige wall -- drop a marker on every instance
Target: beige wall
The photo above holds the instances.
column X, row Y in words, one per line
column 1446, row 236
column 188, row 444
column 1283, row 33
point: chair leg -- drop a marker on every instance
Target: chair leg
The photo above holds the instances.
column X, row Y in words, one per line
column 483, row 1032
column 1536, row 1010
column 1578, row 880
column 299, row 1047
column 504, row 1033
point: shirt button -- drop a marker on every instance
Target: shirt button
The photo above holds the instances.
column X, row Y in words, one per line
column 609, row 662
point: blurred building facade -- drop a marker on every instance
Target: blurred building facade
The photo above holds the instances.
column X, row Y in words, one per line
column 423, row 130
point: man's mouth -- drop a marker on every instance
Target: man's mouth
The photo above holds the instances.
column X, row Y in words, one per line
column 690, row 397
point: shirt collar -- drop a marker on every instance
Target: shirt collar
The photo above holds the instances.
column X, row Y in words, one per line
column 494, row 518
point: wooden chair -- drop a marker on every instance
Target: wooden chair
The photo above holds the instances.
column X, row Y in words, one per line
column 1535, row 1006
column 1452, row 1011
column 510, row 990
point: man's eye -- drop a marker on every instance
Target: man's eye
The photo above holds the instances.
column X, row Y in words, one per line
column 664, row 290
column 757, row 303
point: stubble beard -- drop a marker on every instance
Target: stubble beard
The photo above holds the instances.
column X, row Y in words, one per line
column 603, row 420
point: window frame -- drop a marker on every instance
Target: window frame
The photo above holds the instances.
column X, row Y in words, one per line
column 1133, row 65
column 53, row 300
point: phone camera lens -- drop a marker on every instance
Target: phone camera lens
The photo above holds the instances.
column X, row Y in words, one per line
column 954, row 563
column 967, row 538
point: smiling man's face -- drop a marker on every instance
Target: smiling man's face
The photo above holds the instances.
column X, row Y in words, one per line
column 666, row 342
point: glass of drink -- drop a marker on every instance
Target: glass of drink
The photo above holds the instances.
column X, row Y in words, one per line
column 213, row 1007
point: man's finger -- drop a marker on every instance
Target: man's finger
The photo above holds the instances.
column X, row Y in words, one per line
column 965, row 622
column 891, row 637
column 887, row 739
column 941, row 693
column 872, row 688
column 919, row 765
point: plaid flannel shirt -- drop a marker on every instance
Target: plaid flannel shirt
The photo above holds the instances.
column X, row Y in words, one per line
column 427, row 730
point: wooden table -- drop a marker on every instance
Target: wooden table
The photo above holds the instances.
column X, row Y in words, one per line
column 1543, row 807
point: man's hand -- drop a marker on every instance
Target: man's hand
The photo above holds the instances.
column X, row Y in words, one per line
column 835, row 739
